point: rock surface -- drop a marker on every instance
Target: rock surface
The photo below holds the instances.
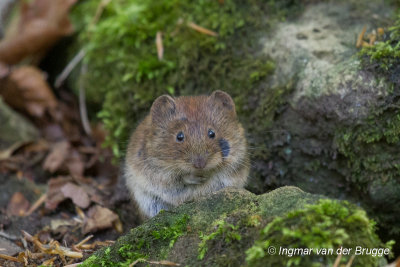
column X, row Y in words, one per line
column 229, row 228
column 335, row 135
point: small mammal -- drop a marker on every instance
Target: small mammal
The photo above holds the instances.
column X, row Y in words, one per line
column 186, row 147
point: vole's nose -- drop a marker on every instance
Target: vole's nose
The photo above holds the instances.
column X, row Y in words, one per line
column 199, row 162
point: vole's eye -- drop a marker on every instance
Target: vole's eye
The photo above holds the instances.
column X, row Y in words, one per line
column 180, row 136
column 211, row 133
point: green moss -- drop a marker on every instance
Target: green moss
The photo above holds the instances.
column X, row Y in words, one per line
column 155, row 240
column 171, row 233
column 328, row 224
column 207, row 238
column 370, row 148
column 225, row 231
column 125, row 74
column 384, row 56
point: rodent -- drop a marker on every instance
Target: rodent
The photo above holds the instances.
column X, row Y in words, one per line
column 186, row 147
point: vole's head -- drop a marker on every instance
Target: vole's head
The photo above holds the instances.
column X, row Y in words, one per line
column 196, row 134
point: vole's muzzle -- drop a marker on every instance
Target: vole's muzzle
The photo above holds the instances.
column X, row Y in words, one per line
column 199, row 161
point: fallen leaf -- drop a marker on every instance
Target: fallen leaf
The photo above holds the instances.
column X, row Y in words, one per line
column 54, row 194
column 18, row 205
column 98, row 218
column 56, row 223
column 53, row 132
column 77, row 194
column 26, row 89
column 42, row 23
column 56, row 157
column 75, row 163
column 93, row 193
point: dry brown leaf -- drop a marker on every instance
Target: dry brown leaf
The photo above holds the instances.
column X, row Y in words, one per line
column 98, row 218
column 54, row 194
column 18, row 205
column 56, row 223
column 56, row 157
column 77, row 194
column 42, row 23
column 94, row 194
column 26, row 89
column 75, row 163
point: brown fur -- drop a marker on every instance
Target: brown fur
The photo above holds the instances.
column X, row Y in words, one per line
column 161, row 172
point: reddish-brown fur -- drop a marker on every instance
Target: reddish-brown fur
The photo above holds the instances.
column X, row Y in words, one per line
column 162, row 172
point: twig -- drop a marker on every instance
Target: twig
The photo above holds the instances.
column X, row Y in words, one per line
column 159, row 44
column 82, row 102
column 84, row 241
column 337, row 261
column 49, row 262
column 99, row 11
column 163, row 262
column 68, row 69
column 78, row 57
column 10, row 258
column 137, row 261
column 36, row 205
column 80, row 212
column 201, row 29
column 350, row 261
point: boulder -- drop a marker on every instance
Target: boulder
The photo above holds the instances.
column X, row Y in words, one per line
column 338, row 134
column 234, row 227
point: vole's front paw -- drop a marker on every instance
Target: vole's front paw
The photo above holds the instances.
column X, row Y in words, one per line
column 194, row 179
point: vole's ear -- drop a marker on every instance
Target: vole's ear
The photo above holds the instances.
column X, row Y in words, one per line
column 223, row 101
column 162, row 109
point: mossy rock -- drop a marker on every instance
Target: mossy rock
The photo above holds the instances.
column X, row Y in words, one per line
column 339, row 134
column 234, row 227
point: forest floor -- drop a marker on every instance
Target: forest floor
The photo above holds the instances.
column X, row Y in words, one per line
column 61, row 196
